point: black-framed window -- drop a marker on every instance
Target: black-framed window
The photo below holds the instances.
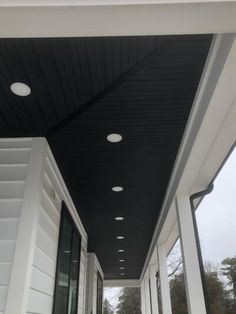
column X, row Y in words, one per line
column 68, row 262
column 99, row 293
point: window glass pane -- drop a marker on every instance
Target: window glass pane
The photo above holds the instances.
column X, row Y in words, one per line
column 176, row 280
column 216, row 221
column 64, row 257
column 99, row 293
column 67, row 273
column 73, row 291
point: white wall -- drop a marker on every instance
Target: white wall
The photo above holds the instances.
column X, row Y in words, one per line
column 39, row 222
column 14, row 158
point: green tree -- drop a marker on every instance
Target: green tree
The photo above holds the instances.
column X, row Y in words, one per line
column 214, row 289
column 228, row 270
column 130, row 301
column 107, row 308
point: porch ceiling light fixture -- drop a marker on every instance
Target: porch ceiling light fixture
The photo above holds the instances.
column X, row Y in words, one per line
column 20, row 89
column 122, row 274
column 121, row 260
column 120, row 237
column 122, row 268
column 119, row 218
column 114, row 138
column 121, row 251
column 117, row 189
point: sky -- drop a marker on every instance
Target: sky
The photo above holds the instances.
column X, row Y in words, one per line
column 216, row 220
column 112, row 294
column 216, row 216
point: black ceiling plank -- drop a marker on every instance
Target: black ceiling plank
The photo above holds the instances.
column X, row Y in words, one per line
column 37, row 116
column 139, row 167
column 41, row 52
column 104, row 92
column 13, row 111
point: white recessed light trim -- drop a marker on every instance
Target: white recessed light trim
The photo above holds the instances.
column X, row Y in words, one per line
column 114, row 138
column 120, row 237
column 122, row 274
column 117, row 189
column 121, row 251
column 121, row 260
column 119, row 218
column 20, row 89
column 122, row 268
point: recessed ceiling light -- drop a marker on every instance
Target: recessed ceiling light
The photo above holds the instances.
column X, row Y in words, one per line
column 20, row 89
column 121, row 260
column 117, row 188
column 122, row 274
column 120, row 237
column 121, row 251
column 114, row 138
column 122, row 268
column 119, row 218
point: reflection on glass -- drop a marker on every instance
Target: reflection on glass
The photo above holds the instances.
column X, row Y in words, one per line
column 176, row 280
column 73, row 291
column 216, row 221
column 99, row 293
column 61, row 295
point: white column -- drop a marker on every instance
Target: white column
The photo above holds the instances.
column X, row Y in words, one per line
column 153, row 284
column 193, row 283
column 27, row 231
column 143, row 302
column 147, row 295
column 165, row 288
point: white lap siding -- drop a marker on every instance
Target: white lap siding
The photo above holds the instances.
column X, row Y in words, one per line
column 45, row 258
column 29, row 227
column 14, row 158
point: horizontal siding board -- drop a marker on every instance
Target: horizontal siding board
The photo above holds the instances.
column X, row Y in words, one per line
column 43, row 262
column 46, row 244
column 8, row 229
column 10, row 208
column 13, row 172
column 39, row 302
column 14, row 156
column 7, row 248
column 50, row 208
column 3, row 297
column 48, row 226
column 15, row 143
column 12, row 190
column 42, row 282
column 5, row 270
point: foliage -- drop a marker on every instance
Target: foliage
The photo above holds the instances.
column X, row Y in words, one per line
column 130, row 301
column 107, row 308
column 228, row 270
column 214, row 289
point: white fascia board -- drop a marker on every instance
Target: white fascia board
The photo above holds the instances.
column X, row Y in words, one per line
column 122, row 283
column 120, row 20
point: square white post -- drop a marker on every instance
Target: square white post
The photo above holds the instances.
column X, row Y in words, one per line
column 193, row 282
column 147, row 295
column 153, row 285
column 165, row 288
column 143, row 302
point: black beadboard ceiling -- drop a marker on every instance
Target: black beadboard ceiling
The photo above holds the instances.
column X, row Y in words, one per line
column 86, row 88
